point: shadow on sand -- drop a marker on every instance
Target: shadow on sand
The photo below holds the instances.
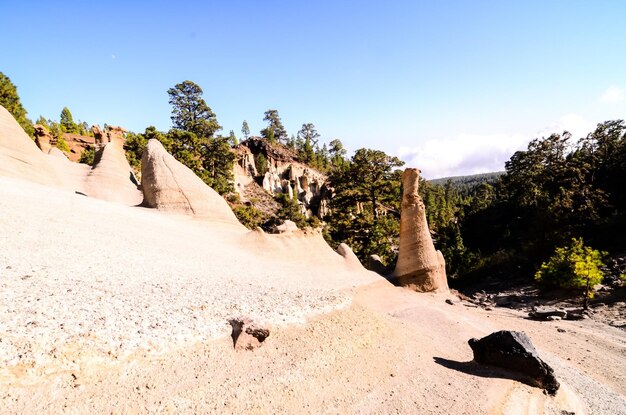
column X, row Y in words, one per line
column 483, row 371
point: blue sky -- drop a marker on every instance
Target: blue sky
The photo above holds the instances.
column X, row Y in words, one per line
column 451, row 87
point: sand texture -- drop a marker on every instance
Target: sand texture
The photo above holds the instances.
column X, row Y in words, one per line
column 111, row 308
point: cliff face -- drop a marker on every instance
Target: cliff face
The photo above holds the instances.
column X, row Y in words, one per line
column 78, row 143
column 283, row 174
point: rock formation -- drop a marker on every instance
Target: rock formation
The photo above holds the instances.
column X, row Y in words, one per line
column 111, row 178
column 20, row 157
column 43, row 138
column 285, row 175
column 351, row 259
column 109, row 134
column 513, row 350
column 171, row 186
column 287, row 227
column 419, row 267
column 246, row 334
column 76, row 143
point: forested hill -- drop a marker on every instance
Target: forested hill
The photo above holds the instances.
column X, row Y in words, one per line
column 463, row 183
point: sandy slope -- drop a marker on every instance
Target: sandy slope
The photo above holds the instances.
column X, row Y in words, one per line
column 106, row 308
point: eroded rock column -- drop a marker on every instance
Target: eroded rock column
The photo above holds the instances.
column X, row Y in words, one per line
column 419, row 267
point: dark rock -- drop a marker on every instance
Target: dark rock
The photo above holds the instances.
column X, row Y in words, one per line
column 513, row 350
column 449, row 301
column 376, row 264
column 544, row 313
column 575, row 314
column 247, row 335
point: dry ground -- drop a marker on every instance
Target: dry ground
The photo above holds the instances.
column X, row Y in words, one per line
column 112, row 309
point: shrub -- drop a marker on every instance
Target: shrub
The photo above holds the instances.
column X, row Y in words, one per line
column 261, row 164
column 249, row 217
column 87, row 156
column 576, row 267
column 62, row 145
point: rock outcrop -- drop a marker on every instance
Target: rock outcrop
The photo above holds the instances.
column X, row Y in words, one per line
column 109, row 134
column 111, row 178
column 20, row 157
column 351, row 259
column 287, row 227
column 284, row 175
column 419, row 267
column 170, row 186
column 513, row 350
column 43, row 138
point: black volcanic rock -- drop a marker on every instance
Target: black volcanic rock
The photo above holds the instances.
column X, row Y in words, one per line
column 513, row 350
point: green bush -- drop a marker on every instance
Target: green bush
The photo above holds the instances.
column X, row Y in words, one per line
column 87, row 156
column 249, row 217
column 62, row 145
column 575, row 267
column 261, row 164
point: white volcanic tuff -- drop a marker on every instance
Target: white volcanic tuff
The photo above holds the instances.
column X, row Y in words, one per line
column 283, row 176
column 111, row 177
column 419, row 265
column 170, row 186
column 20, row 157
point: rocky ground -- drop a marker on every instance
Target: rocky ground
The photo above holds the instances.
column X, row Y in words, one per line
column 114, row 309
column 608, row 305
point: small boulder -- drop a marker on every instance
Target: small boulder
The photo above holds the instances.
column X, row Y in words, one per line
column 287, row 227
column 247, row 335
column 576, row 314
column 514, row 351
column 546, row 314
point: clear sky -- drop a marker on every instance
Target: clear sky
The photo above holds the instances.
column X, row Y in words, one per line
column 452, row 87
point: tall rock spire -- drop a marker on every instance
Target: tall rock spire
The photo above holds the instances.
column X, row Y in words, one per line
column 419, row 267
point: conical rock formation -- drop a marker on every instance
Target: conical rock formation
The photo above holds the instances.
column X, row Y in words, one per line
column 171, row 186
column 420, row 266
column 111, row 177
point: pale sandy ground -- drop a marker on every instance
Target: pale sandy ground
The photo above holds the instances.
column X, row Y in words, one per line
column 112, row 309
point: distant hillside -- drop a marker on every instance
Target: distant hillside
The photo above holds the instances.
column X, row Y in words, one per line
column 465, row 184
column 470, row 180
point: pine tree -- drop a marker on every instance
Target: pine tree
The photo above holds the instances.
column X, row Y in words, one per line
column 309, row 136
column 67, row 122
column 233, row 138
column 190, row 112
column 10, row 100
column 275, row 129
column 245, row 130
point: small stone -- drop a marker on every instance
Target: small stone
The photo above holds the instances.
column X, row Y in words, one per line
column 247, row 335
column 449, row 301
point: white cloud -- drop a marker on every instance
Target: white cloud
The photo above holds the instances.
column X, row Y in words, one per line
column 464, row 154
column 481, row 153
column 613, row 94
column 576, row 124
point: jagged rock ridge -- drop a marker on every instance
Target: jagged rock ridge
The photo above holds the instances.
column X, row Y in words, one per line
column 285, row 174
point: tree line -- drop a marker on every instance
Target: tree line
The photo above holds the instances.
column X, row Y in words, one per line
column 551, row 197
